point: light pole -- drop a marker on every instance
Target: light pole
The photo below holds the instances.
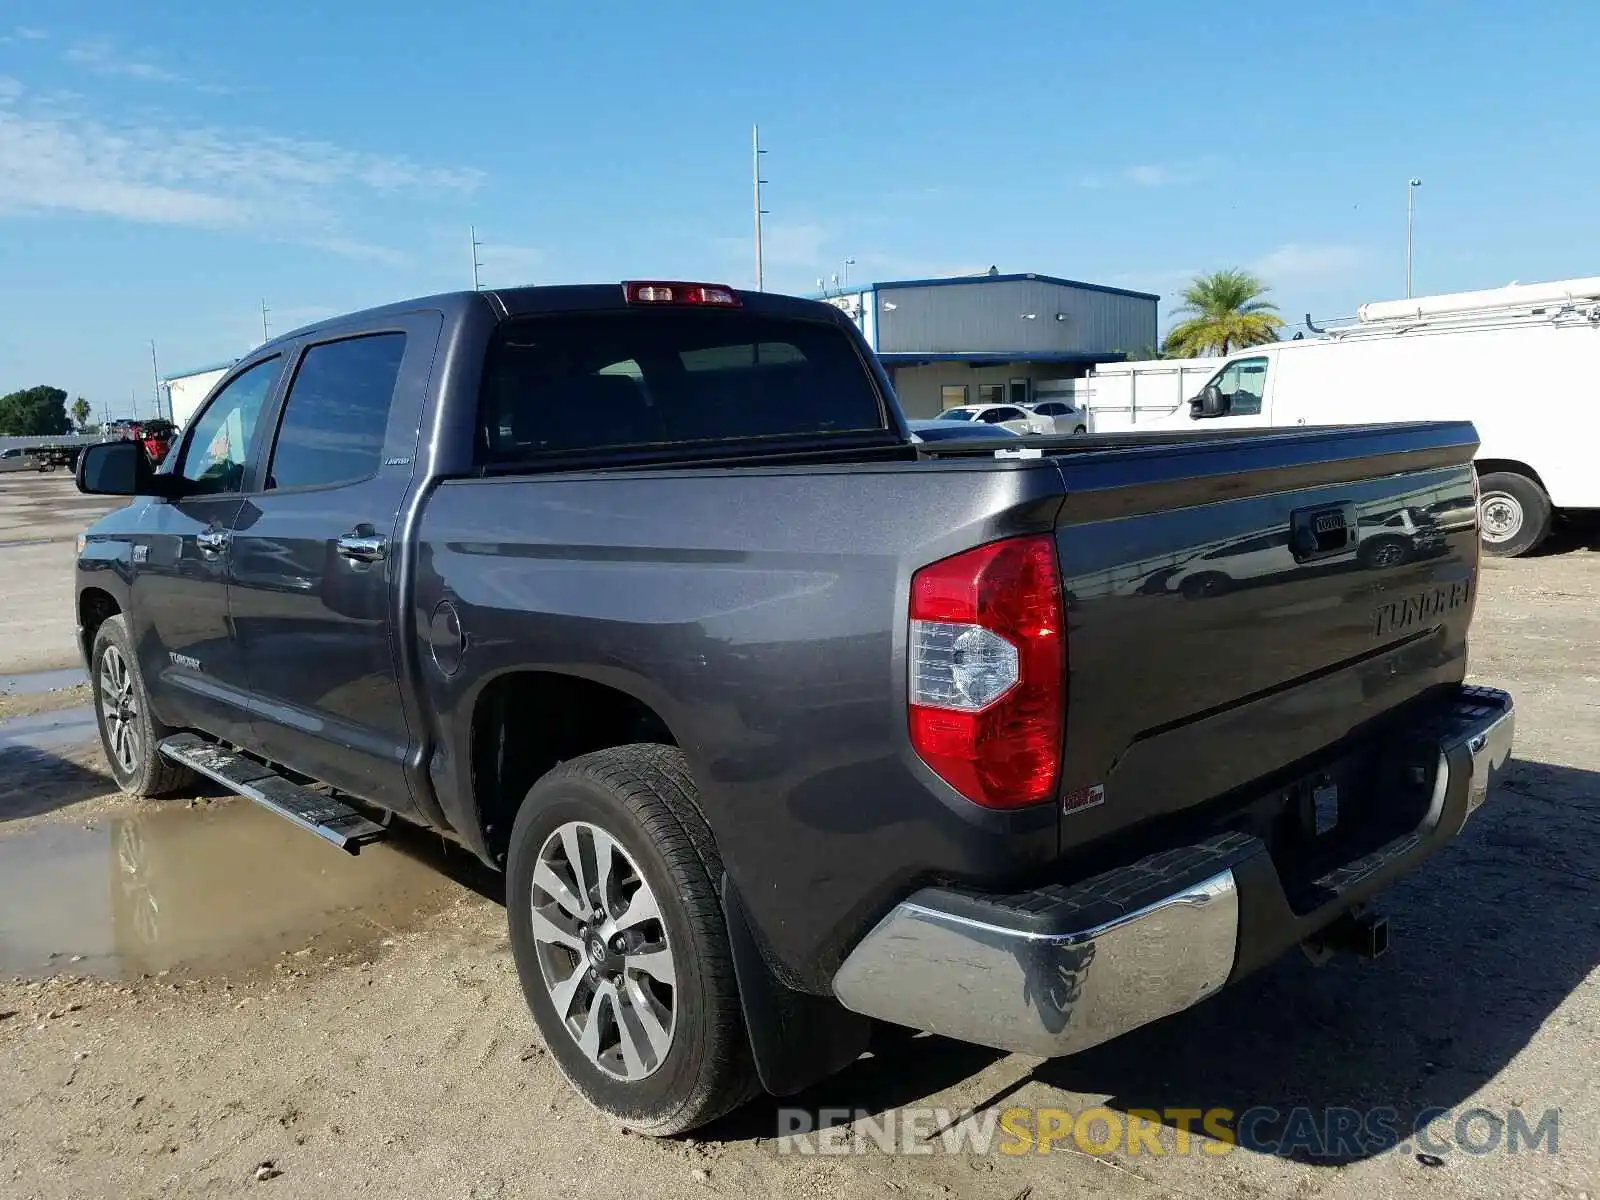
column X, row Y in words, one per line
column 848, row 263
column 755, row 173
column 1411, row 196
column 155, row 371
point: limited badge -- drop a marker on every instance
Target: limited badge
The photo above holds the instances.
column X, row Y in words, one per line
column 1088, row 797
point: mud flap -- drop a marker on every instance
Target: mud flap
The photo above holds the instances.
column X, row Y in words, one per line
column 796, row 1038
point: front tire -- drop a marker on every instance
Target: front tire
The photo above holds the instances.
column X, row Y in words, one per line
column 129, row 729
column 1514, row 514
column 619, row 940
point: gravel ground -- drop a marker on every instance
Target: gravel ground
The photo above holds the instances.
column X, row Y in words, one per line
column 40, row 517
column 367, row 1036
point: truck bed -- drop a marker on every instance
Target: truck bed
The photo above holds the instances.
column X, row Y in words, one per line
column 761, row 611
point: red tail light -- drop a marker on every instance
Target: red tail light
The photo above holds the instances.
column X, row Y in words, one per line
column 988, row 671
column 712, row 295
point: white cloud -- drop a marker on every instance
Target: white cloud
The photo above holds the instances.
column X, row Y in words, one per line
column 874, row 266
column 507, row 264
column 57, row 160
column 102, row 58
column 1149, row 175
column 10, row 89
column 794, row 252
column 1308, row 263
column 1163, row 282
column 347, row 247
column 27, row 33
column 794, row 244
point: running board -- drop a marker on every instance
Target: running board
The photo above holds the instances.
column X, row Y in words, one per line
column 322, row 815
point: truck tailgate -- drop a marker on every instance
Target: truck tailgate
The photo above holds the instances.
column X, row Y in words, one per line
column 1236, row 605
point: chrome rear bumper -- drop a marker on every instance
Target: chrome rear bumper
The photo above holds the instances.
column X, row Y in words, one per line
column 1062, row 969
column 1045, row 994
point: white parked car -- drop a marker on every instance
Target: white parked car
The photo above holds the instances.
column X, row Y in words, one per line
column 1009, row 416
column 1064, row 416
column 945, row 431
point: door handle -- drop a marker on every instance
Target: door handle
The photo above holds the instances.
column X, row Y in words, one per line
column 213, row 541
column 363, row 549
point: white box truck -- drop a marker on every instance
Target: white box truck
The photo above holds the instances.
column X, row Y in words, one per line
column 1522, row 363
column 186, row 389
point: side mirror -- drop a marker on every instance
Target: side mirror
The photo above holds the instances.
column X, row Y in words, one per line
column 117, row 469
column 1210, row 403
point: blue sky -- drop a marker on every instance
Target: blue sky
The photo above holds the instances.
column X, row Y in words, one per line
column 166, row 167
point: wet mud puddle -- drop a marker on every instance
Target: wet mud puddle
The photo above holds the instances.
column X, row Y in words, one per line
column 33, row 708
column 219, row 890
column 38, row 682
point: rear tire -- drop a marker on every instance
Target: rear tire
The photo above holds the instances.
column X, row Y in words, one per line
column 1514, row 514
column 129, row 730
column 635, row 806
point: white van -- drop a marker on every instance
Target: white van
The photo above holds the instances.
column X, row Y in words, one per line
column 1521, row 363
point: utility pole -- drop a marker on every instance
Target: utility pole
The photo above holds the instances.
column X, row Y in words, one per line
column 155, row 372
column 266, row 333
column 472, row 232
column 848, row 263
column 1411, row 193
column 755, row 168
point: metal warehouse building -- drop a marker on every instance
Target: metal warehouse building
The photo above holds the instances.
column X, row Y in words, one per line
column 992, row 339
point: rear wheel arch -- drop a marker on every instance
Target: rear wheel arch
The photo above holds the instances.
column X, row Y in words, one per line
column 1511, row 466
column 526, row 722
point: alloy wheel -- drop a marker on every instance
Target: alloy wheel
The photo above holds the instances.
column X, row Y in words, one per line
column 119, row 710
column 603, row 951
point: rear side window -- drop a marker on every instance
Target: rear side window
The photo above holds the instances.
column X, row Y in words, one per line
column 338, row 408
column 613, row 380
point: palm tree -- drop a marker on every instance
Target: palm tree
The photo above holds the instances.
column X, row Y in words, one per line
column 1226, row 312
column 81, row 412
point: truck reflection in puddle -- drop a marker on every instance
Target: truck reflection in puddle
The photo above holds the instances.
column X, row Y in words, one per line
column 217, row 890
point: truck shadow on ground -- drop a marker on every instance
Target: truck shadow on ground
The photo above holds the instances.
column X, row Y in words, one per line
column 1490, row 937
column 1573, row 534
column 34, row 781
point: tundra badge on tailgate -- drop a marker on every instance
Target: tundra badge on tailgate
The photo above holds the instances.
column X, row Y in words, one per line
column 1400, row 615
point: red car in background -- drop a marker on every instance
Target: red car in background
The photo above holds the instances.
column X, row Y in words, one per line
column 156, row 436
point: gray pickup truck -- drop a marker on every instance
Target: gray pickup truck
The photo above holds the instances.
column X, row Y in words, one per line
column 778, row 722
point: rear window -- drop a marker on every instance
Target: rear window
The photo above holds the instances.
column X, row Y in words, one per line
column 611, row 380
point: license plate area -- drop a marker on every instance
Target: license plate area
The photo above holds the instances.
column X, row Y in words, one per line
column 1342, row 811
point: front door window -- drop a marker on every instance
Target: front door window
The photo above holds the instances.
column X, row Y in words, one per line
column 1244, row 383
column 218, row 446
